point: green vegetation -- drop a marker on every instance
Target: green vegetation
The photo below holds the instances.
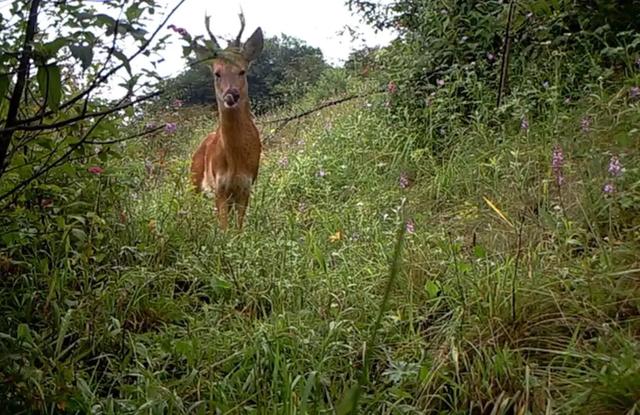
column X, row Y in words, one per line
column 516, row 289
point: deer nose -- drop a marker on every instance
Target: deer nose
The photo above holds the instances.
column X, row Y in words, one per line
column 231, row 97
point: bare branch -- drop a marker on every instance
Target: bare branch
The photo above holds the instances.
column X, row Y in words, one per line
column 23, row 72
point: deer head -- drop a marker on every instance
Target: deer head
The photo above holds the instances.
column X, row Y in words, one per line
column 230, row 65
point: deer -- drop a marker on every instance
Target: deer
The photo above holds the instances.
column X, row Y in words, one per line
column 227, row 161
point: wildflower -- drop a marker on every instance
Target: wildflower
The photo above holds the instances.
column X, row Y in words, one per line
column 392, row 88
column 95, row 170
column 634, row 92
column 440, row 82
column 321, row 173
column 557, row 162
column 170, row 128
column 179, row 30
column 545, row 84
column 46, row 203
column 491, row 57
column 609, row 188
column 302, row 207
column 615, row 167
column 410, row 227
column 283, row 162
column 177, row 103
column 336, row 237
column 524, row 124
column 567, row 100
column 638, row 62
column 465, row 38
column 403, row 182
column 150, row 126
column 585, row 124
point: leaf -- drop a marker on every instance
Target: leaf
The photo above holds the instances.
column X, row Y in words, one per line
column 133, row 12
column 432, row 289
column 50, row 85
column 349, row 401
column 495, row 209
column 125, row 61
column 23, row 332
column 83, row 53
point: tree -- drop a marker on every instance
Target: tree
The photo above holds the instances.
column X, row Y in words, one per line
column 56, row 59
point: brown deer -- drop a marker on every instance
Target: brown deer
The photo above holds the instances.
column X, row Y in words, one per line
column 227, row 160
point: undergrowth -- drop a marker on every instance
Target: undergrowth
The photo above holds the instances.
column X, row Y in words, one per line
column 517, row 293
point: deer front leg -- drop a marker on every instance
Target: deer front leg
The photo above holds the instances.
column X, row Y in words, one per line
column 241, row 203
column 222, row 204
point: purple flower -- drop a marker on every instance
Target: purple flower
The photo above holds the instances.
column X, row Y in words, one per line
column 321, row 173
column 609, row 188
column 403, row 181
column 585, row 124
column 557, row 162
column 634, row 92
column 440, row 82
column 410, row 227
column 95, row 170
column 615, row 168
column 524, row 124
column 179, row 30
column 170, row 128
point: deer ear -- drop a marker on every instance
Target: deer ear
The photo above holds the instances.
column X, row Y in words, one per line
column 253, row 45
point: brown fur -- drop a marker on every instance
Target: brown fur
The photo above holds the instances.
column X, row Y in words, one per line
column 228, row 159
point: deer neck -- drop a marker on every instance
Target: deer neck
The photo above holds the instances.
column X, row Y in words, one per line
column 235, row 124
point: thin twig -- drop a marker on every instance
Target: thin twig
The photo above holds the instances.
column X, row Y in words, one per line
column 286, row 120
column 504, row 67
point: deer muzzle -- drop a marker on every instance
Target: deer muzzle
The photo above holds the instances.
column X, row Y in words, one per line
column 231, row 98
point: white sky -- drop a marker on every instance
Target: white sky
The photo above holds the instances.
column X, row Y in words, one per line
column 316, row 22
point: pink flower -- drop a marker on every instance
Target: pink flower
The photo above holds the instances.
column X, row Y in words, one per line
column 177, row 103
column 585, row 124
column 179, row 30
column 410, row 226
column 609, row 188
column 392, row 88
column 403, row 181
column 615, row 167
column 491, row 57
column 557, row 162
column 95, row 170
column 440, row 82
column 170, row 128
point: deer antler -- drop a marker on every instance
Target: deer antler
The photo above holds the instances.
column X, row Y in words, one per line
column 238, row 42
column 207, row 23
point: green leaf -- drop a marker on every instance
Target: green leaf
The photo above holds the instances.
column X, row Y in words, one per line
column 349, row 401
column 432, row 289
column 50, row 85
column 125, row 61
column 133, row 12
column 24, row 333
column 83, row 53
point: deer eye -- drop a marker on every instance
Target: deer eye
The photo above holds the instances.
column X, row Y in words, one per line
column 218, row 75
column 241, row 73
